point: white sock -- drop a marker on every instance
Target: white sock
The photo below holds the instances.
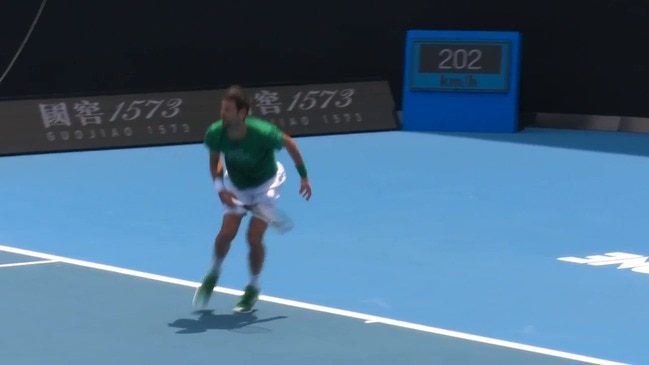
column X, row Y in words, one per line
column 254, row 281
column 216, row 265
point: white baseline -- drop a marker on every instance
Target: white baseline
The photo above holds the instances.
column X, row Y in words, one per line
column 14, row 264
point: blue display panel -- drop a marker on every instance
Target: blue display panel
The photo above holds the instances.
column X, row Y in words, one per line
column 464, row 81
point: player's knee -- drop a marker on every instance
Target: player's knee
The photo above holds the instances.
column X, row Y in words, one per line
column 226, row 235
column 255, row 238
column 229, row 228
column 256, row 234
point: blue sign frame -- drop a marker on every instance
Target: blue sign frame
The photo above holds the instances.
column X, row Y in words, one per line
column 461, row 81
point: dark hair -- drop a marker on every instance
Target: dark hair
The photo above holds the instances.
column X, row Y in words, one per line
column 236, row 94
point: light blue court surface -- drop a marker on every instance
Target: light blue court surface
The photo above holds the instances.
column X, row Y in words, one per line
column 447, row 231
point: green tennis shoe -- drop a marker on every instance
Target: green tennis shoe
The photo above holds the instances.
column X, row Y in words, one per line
column 248, row 300
column 205, row 290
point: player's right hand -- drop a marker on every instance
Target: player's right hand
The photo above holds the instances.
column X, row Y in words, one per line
column 226, row 198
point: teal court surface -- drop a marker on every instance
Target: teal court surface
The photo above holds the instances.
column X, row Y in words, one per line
column 415, row 249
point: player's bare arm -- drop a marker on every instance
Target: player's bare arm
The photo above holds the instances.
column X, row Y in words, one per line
column 216, row 169
column 296, row 155
column 216, row 166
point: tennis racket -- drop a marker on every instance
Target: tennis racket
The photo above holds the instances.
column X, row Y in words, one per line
column 276, row 218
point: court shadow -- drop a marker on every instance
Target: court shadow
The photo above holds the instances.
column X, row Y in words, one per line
column 207, row 320
column 580, row 136
column 623, row 143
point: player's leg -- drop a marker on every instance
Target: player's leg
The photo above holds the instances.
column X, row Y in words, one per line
column 256, row 258
column 230, row 224
column 257, row 250
column 266, row 197
column 227, row 233
column 224, row 238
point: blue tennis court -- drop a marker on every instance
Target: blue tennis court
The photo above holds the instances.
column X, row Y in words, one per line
column 416, row 248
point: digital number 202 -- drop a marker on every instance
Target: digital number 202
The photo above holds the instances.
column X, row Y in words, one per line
column 460, row 59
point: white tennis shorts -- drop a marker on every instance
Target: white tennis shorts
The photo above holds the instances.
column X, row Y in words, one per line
column 265, row 195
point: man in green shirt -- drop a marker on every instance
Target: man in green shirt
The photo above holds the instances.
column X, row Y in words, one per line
column 249, row 173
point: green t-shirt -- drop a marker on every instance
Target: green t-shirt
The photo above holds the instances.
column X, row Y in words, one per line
column 250, row 161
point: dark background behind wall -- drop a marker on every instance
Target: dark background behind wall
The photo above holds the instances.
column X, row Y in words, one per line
column 578, row 57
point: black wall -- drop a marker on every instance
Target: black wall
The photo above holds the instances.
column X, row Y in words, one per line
column 579, row 57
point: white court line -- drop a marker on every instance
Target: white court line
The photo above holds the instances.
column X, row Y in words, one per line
column 27, row 263
column 365, row 317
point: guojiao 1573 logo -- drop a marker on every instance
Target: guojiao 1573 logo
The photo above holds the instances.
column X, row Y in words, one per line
column 91, row 119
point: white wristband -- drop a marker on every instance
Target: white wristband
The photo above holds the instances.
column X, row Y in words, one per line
column 218, row 185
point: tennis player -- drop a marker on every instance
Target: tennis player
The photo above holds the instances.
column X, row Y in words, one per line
column 251, row 174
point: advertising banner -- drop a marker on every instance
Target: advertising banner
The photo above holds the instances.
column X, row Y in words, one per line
column 118, row 121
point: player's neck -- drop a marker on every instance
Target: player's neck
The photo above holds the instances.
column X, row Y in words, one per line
column 237, row 130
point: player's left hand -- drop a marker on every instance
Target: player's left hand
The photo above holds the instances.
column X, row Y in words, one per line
column 305, row 188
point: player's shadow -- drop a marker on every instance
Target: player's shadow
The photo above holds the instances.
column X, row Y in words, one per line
column 207, row 320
